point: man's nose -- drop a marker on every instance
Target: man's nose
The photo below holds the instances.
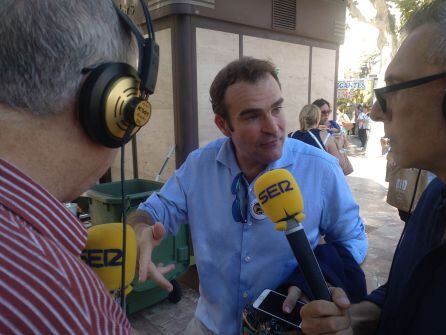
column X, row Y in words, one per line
column 376, row 114
column 270, row 124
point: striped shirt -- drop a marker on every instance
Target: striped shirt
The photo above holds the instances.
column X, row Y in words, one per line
column 44, row 287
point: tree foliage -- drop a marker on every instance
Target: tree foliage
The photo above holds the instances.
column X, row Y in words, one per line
column 384, row 21
column 390, row 16
column 407, row 7
column 387, row 24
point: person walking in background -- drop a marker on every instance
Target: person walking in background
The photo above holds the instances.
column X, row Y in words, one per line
column 355, row 114
column 309, row 118
column 363, row 122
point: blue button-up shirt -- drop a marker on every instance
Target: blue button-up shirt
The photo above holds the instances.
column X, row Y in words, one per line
column 237, row 261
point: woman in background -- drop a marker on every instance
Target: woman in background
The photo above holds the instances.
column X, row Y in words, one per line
column 331, row 126
column 309, row 119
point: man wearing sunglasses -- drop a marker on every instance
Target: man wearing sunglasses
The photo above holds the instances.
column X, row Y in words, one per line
column 413, row 110
column 237, row 250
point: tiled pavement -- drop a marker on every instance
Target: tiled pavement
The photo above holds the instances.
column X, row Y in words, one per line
column 382, row 224
column 166, row 318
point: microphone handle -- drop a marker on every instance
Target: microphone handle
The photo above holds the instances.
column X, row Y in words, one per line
column 303, row 252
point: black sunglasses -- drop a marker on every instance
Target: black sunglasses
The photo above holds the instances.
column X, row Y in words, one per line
column 239, row 206
column 379, row 92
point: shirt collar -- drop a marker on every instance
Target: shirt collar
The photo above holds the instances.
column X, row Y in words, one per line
column 226, row 156
column 42, row 211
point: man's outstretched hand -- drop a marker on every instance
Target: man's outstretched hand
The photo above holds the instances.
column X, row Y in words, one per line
column 148, row 238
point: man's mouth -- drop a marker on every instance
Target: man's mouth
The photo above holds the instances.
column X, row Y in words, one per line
column 270, row 143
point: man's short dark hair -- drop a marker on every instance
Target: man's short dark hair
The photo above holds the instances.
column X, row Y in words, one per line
column 320, row 102
column 246, row 69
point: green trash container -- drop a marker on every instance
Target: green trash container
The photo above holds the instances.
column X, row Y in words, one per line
column 105, row 206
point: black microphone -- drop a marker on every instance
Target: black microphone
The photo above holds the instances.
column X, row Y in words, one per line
column 281, row 200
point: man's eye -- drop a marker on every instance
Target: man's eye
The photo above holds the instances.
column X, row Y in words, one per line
column 251, row 117
column 277, row 109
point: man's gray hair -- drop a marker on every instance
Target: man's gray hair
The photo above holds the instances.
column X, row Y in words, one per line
column 45, row 44
column 433, row 13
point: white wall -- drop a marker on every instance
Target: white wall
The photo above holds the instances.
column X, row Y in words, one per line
column 215, row 49
column 323, row 70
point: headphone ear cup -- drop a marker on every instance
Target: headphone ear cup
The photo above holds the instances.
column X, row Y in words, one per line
column 103, row 98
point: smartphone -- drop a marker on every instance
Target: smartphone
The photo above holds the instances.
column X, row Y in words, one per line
column 270, row 302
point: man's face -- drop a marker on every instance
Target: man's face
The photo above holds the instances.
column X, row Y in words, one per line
column 413, row 121
column 257, row 121
column 325, row 113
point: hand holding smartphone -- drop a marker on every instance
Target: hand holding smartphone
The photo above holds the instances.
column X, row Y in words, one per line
column 270, row 302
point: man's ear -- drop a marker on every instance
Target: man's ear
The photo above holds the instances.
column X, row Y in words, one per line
column 222, row 124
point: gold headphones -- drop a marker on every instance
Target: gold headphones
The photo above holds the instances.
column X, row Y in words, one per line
column 113, row 100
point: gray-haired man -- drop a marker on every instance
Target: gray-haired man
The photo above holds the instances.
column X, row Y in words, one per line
column 413, row 109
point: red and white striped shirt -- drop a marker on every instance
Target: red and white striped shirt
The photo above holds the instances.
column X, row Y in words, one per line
column 44, row 286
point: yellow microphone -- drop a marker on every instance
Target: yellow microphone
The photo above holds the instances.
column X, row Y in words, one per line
column 281, row 200
column 280, row 197
column 104, row 255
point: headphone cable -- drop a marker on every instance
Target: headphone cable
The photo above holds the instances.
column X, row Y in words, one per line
column 127, row 134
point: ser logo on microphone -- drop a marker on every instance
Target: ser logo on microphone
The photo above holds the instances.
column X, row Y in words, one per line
column 275, row 190
column 99, row 258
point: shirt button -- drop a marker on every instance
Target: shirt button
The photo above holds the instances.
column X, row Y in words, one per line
column 247, row 258
column 245, row 295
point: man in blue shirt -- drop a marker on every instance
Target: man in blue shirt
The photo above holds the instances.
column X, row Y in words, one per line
column 413, row 109
column 237, row 250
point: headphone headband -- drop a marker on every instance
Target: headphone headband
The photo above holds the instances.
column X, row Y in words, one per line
column 148, row 50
